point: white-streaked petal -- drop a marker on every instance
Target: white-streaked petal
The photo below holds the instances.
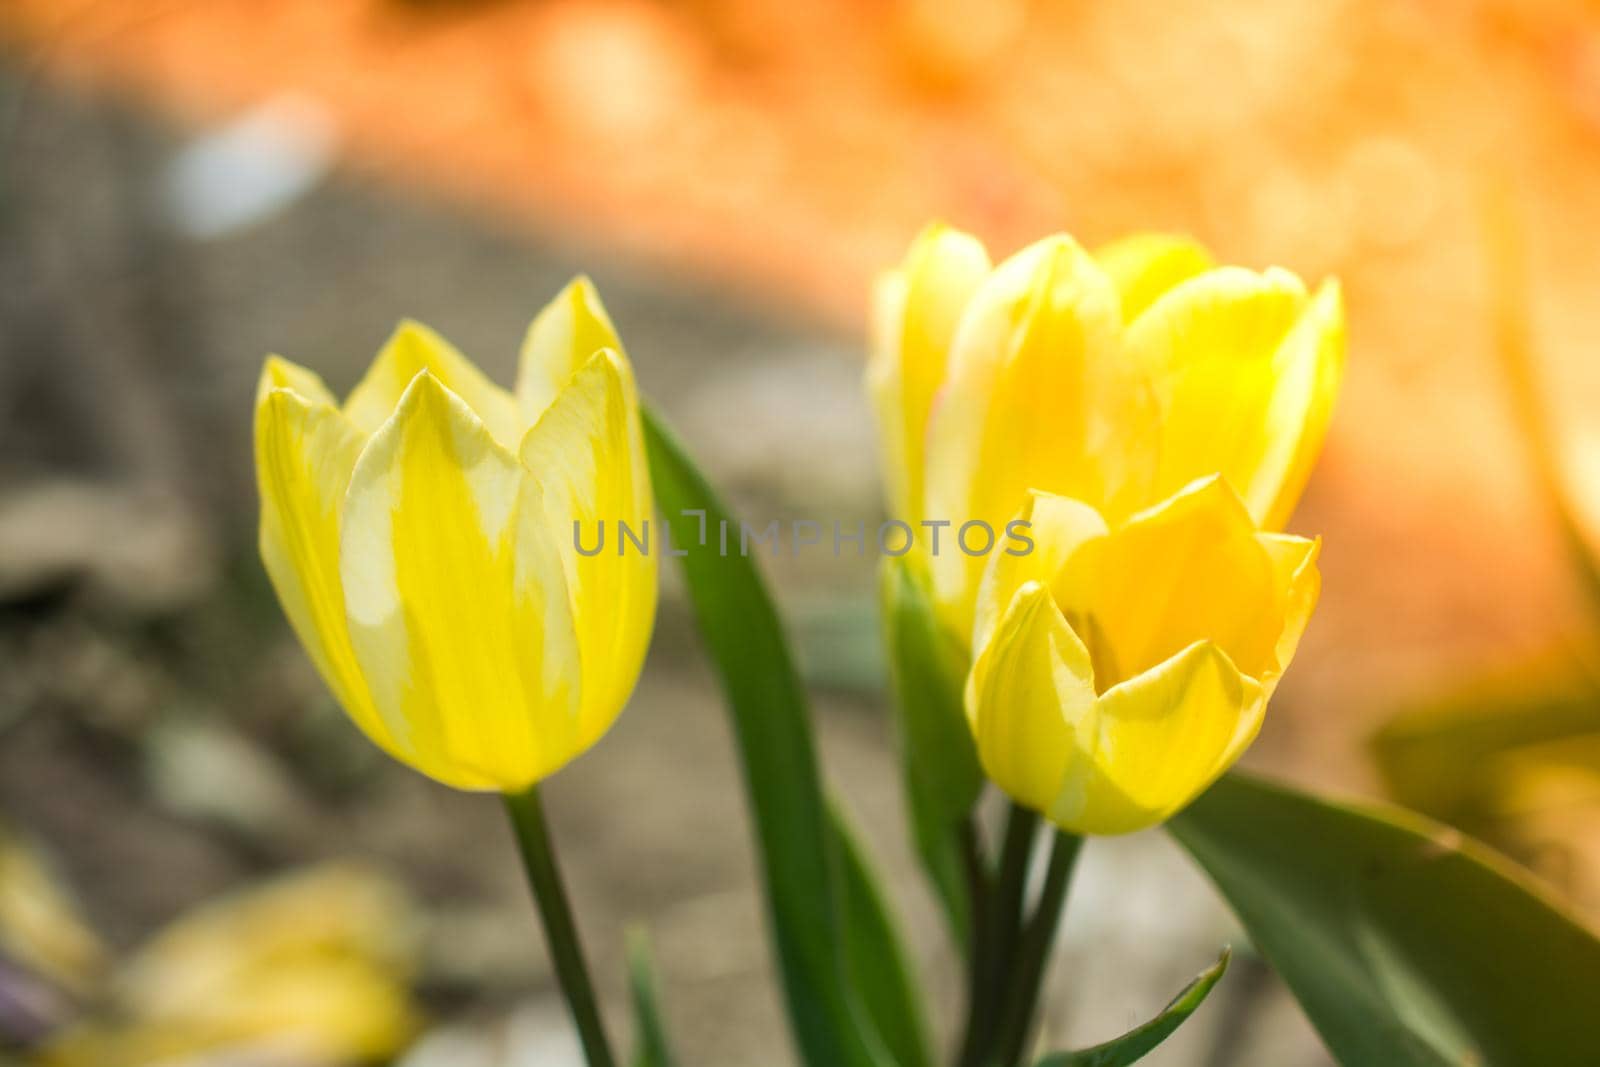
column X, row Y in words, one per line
column 280, row 373
column 412, row 349
column 457, row 599
column 588, row 453
column 565, row 334
column 305, row 452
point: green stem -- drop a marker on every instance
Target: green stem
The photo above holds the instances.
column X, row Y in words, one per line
column 997, row 933
column 980, row 887
column 1038, row 939
column 1021, row 828
column 539, row 860
column 975, row 873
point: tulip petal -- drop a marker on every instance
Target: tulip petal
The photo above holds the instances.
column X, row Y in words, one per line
column 564, row 335
column 457, row 599
column 1210, row 347
column 1029, row 697
column 1145, row 266
column 1161, row 738
column 1310, row 366
column 916, row 310
column 412, row 349
column 1299, row 583
column 280, row 373
column 1058, row 527
column 886, row 393
column 1186, row 570
column 1037, row 398
column 588, row 453
column 305, row 453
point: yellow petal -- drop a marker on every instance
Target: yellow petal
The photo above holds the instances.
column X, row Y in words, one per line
column 305, row 453
column 1161, row 739
column 885, row 391
column 915, row 313
column 1058, row 527
column 457, row 601
column 588, row 453
column 1145, row 265
column 1190, row 569
column 1029, row 697
column 1298, row 583
column 280, row 373
column 1211, row 348
column 412, row 349
column 41, row 927
column 1037, row 398
column 319, row 912
column 319, row 961
column 565, row 333
column 1310, row 366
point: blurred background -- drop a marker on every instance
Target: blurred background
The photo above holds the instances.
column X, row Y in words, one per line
column 202, row 863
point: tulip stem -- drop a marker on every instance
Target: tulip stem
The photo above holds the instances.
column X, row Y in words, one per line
column 539, row 860
column 1038, row 939
column 997, row 929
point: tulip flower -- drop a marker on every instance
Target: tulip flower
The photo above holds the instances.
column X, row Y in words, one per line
column 421, row 540
column 1115, row 379
column 1126, row 664
column 1154, row 417
column 315, row 967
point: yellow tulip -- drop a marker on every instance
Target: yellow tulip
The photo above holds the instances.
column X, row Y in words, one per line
column 1115, row 378
column 421, row 540
column 1124, row 664
column 40, row 926
column 1154, row 417
column 315, row 967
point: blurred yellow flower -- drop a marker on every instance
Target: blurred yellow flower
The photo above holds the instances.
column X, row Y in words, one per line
column 40, row 926
column 313, row 968
column 422, row 542
column 1148, row 415
column 1123, row 666
column 1115, row 379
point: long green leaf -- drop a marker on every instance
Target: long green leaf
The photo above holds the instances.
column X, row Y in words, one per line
column 939, row 761
column 651, row 1048
column 1138, row 1042
column 1437, row 757
column 880, row 972
column 1407, row 944
column 802, row 862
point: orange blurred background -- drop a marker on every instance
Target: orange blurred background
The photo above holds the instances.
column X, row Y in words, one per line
column 771, row 157
column 785, row 152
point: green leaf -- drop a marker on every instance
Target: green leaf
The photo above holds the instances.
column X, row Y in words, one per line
column 650, row 1033
column 1407, row 944
column 1136, row 1043
column 802, row 860
column 879, row 969
column 1439, row 756
column 938, row 759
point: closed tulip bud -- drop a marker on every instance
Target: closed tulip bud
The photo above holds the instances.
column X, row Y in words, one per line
column 1127, row 663
column 1115, row 379
column 421, row 540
